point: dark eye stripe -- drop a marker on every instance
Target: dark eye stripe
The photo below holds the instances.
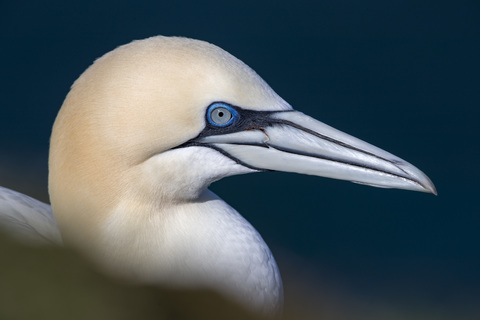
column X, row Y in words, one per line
column 242, row 119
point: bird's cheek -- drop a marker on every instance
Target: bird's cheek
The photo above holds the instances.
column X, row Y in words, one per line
column 200, row 166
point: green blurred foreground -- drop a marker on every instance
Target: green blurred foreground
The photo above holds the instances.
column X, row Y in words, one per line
column 55, row 283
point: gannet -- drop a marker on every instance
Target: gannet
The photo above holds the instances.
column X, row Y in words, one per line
column 142, row 134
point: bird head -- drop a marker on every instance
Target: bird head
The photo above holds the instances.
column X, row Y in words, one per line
column 157, row 120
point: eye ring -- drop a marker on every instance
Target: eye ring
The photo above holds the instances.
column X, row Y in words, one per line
column 221, row 114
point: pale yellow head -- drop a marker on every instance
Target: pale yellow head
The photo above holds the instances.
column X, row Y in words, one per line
column 135, row 102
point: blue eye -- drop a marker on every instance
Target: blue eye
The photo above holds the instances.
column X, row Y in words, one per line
column 221, row 114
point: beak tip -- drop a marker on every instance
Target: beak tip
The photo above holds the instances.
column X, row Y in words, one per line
column 428, row 185
column 430, row 188
column 422, row 181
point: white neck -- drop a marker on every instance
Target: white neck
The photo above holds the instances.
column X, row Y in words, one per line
column 203, row 243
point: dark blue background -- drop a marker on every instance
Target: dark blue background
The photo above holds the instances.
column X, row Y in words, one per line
column 401, row 75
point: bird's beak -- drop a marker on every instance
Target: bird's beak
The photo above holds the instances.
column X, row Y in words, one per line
column 294, row 142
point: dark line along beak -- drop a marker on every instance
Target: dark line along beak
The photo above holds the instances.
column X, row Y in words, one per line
column 291, row 141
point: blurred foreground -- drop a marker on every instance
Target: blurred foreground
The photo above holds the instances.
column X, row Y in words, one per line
column 56, row 283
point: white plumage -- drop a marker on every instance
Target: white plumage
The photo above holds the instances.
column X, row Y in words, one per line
column 27, row 219
column 142, row 134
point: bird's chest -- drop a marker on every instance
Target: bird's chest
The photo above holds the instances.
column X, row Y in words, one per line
column 206, row 244
column 226, row 253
